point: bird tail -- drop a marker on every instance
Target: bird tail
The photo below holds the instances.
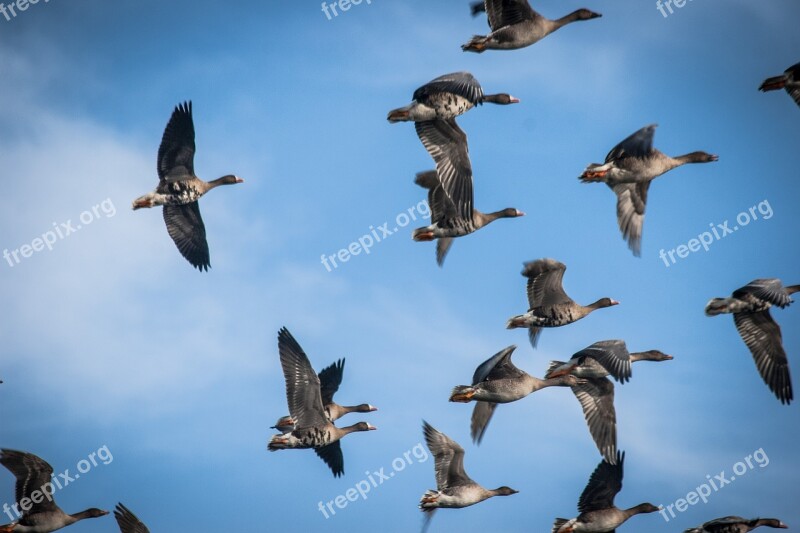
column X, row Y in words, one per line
column 462, row 394
column 594, row 172
column 558, row 524
column 773, row 84
column 516, row 322
column 278, row 442
column 422, row 234
column 476, row 44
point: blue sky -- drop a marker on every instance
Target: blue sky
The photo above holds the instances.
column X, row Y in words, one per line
column 111, row 339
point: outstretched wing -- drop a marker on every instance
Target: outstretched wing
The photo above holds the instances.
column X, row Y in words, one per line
column 502, row 13
column 176, row 152
column 631, row 204
column 762, row 335
column 185, row 227
column 604, row 484
column 330, row 378
column 638, row 144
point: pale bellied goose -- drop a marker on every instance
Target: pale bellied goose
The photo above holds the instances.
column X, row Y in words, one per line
column 762, row 335
column 550, row 307
column 127, row 521
column 628, row 170
column 312, row 427
column 498, row 380
column 604, row 358
column 34, row 486
column 515, row 24
column 736, row 524
column 454, row 488
column 447, row 219
column 330, row 378
column 179, row 189
column 447, row 97
column 598, row 514
column 789, row 80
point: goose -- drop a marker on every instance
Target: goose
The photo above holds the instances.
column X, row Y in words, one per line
column 598, row 514
column 454, row 488
column 550, row 307
column 303, row 394
column 736, row 524
column 330, row 378
column 179, row 189
column 33, row 475
column 750, row 308
column 628, row 170
column 602, row 359
column 127, row 521
column 789, row 80
column 448, row 222
column 447, row 97
column 515, row 24
column 498, row 380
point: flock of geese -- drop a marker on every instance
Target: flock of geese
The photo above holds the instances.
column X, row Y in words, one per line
column 628, row 170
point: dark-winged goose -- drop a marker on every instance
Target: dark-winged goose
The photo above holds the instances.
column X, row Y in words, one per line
column 454, row 488
column 127, row 521
column 789, row 80
column 515, row 24
column 498, row 380
column 628, row 170
column 330, row 378
column 33, row 476
column 598, row 514
column 604, row 358
column 447, row 97
column 736, row 524
column 303, row 394
column 447, row 218
column 750, row 308
column 550, row 307
column 179, row 189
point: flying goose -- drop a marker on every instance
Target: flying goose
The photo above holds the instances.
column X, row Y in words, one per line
column 127, row 521
column 598, row 514
column 447, row 97
column 604, row 358
column 447, row 221
column 515, row 24
column 628, row 170
column 789, row 80
column 736, row 524
column 498, row 380
column 179, row 189
column 762, row 335
column 550, row 307
column 34, row 489
column 313, row 429
column 454, row 488
column 330, row 378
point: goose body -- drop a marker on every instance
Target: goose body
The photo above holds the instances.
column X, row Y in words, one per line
column 750, row 307
column 32, row 475
column 454, row 488
column 789, row 80
column 550, row 307
column 179, row 189
column 330, row 379
column 628, row 170
column 312, row 428
column 447, row 97
column 737, row 524
column 598, row 514
column 515, row 25
column 498, row 380
column 602, row 359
